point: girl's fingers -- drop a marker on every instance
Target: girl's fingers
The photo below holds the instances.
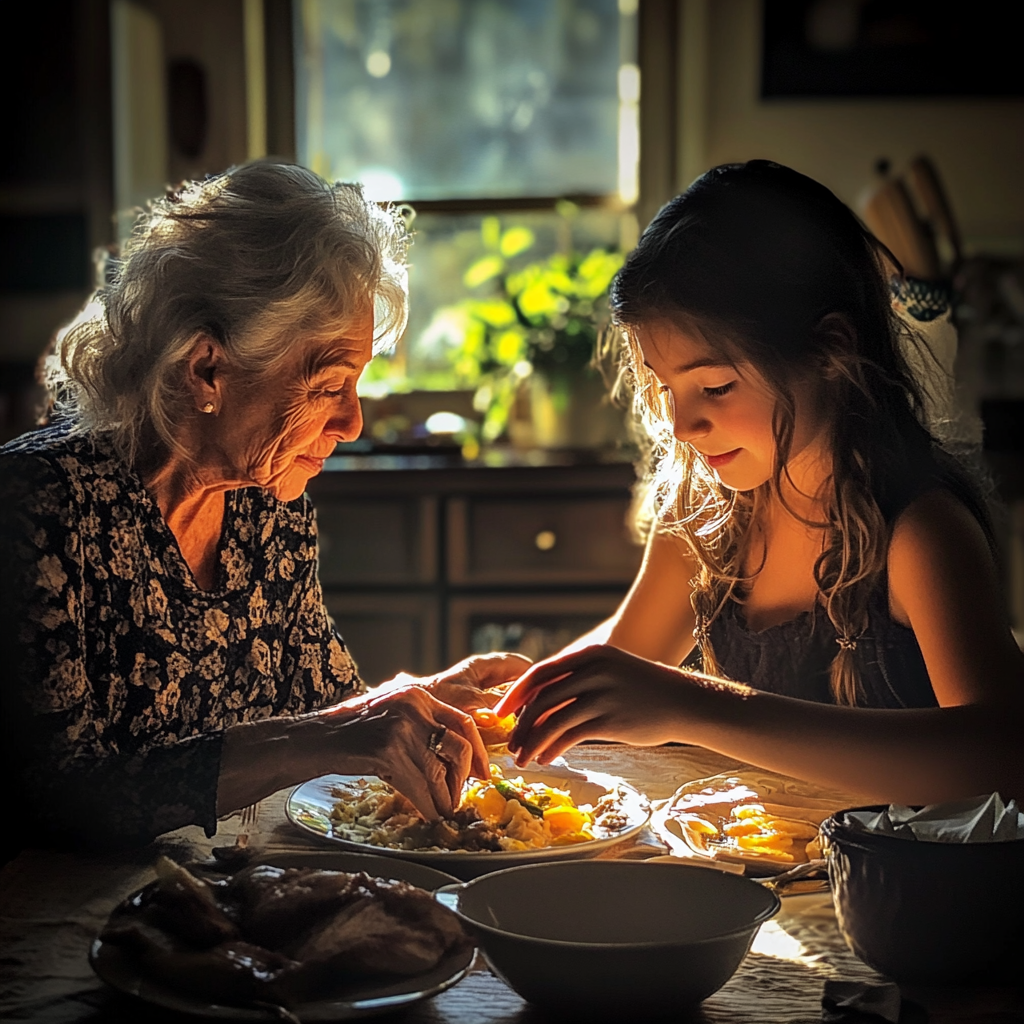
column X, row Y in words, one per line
column 535, row 739
column 542, row 718
column 554, row 695
column 526, row 688
column 586, row 731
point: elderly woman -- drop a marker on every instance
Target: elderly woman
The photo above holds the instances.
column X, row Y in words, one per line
column 169, row 656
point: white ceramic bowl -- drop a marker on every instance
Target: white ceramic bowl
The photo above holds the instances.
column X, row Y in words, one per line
column 612, row 938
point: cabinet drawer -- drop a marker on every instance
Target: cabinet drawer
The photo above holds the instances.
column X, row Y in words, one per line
column 388, row 633
column 377, row 540
column 537, row 625
column 540, row 540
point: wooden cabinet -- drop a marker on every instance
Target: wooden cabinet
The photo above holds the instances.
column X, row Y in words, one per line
column 423, row 564
column 539, row 539
column 377, row 540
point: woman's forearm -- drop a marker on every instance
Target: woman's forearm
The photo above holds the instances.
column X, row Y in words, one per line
column 911, row 756
column 260, row 758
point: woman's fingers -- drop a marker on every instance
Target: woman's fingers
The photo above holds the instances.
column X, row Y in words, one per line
column 462, row 725
column 423, row 784
column 455, row 755
column 487, row 670
column 428, row 750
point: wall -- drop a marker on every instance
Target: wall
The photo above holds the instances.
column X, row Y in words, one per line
column 978, row 145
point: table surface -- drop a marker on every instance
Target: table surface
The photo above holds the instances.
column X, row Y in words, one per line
column 52, row 905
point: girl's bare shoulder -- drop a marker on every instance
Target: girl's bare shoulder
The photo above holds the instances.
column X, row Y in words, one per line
column 936, row 524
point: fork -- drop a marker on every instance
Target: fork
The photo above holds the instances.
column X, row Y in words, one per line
column 249, row 818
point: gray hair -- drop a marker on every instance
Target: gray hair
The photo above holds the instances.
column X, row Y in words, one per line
column 256, row 257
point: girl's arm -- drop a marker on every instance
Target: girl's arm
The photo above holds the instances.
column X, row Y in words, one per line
column 910, row 756
column 655, row 619
column 943, row 583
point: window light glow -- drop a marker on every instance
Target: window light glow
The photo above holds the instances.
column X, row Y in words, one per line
column 381, row 184
column 378, row 63
column 629, row 133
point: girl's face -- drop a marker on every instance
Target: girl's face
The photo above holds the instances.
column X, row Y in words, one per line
column 724, row 409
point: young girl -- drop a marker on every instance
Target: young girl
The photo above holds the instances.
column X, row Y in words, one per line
column 813, row 548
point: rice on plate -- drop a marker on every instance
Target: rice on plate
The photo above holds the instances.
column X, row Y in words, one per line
column 495, row 814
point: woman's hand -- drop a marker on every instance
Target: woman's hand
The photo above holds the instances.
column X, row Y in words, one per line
column 422, row 747
column 599, row 693
column 470, row 684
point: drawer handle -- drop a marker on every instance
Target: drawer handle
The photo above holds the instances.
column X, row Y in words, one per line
column 545, row 540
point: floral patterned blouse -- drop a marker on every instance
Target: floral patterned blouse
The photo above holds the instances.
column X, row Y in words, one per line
column 119, row 673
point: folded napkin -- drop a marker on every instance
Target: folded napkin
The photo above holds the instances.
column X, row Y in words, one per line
column 861, row 1002
column 982, row 819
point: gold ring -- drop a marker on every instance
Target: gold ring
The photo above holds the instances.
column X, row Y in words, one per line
column 436, row 739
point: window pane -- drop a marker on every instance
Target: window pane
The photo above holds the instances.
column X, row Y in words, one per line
column 440, row 99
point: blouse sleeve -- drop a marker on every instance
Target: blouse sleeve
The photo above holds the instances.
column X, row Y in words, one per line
column 72, row 782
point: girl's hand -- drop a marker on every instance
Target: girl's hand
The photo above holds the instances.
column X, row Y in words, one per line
column 599, row 693
column 470, row 684
column 422, row 747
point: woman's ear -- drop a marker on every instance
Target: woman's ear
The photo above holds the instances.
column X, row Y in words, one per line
column 204, row 374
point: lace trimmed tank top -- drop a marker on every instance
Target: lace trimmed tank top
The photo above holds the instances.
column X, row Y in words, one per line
column 793, row 658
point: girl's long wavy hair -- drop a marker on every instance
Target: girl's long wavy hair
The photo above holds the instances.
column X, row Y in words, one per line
column 768, row 267
column 262, row 257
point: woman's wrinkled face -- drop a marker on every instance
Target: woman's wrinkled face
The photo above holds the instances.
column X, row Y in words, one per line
column 285, row 430
column 723, row 409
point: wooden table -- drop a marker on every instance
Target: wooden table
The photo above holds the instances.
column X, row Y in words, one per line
column 52, row 904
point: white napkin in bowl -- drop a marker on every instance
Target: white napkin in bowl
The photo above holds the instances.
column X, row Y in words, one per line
column 983, row 819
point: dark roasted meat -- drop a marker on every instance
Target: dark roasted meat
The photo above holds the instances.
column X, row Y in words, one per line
column 276, row 935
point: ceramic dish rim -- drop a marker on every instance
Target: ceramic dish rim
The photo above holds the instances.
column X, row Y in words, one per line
column 774, row 906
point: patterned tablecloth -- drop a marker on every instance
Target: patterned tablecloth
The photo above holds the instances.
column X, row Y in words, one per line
column 53, row 904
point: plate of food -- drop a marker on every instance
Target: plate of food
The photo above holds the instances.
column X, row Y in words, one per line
column 766, row 822
column 518, row 815
column 318, row 936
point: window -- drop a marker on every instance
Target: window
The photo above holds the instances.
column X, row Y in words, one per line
column 484, row 116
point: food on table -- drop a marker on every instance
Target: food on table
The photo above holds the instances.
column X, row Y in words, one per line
column 280, row 936
column 495, row 814
column 751, row 816
column 494, row 730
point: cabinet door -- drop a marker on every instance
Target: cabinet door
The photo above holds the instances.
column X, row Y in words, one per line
column 388, row 633
column 540, row 540
column 536, row 625
column 377, row 540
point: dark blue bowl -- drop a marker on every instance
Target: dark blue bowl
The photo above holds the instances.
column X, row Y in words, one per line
column 927, row 912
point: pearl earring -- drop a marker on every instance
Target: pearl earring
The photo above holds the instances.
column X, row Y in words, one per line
column 208, row 407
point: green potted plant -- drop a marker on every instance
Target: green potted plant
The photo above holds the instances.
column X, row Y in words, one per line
column 527, row 332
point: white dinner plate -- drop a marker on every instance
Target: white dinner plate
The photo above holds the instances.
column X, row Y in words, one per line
column 309, row 807
column 117, row 967
column 711, row 799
